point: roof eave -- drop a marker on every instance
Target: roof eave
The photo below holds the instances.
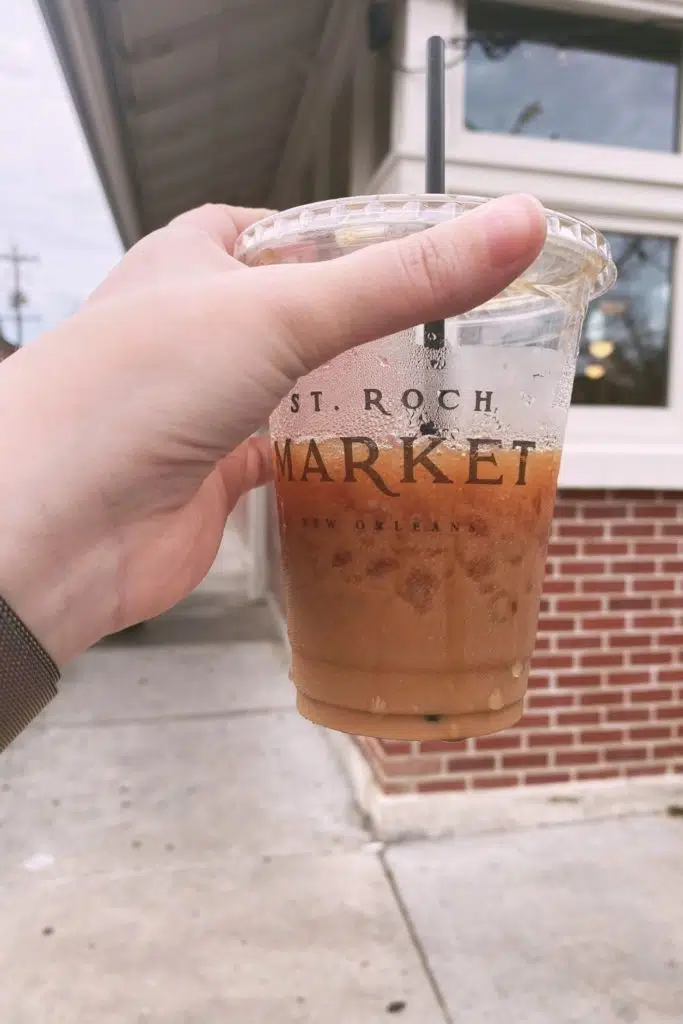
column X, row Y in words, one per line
column 76, row 42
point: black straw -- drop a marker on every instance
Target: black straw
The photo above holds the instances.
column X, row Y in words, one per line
column 435, row 171
column 436, row 117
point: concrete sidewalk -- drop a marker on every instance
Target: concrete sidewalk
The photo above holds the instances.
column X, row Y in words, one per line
column 178, row 847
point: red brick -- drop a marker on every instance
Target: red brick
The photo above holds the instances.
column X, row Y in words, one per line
column 578, row 679
column 604, row 511
column 579, row 568
column 578, row 604
column 633, row 530
column 559, row 586
column 471, row 763
column 619, row 754
column 601, row 660
column 501, row 741
column 628, row 678
column 627, row 714
column 631, row 640
column 576, row 757
column 545, row 778
column 669, row 750
column 395, row 746
column 670, row 675
column 606, row 548
column 551, row 739
column 578, row 717
column 579, row 643
column 651, row 694
column 666, row 714
column 650, row 657
column 533, row 721
column 653, row 621
column 653, row 583
column 396, row 788
column 556, row 550
column 411, row 766
column 580, row 530
column 655, row 512
column 650, row 732
column 524, row 760
column 549, row 625
column 440, row 785
column 657, row 547
column 673, row 639
column 625, row 604
column 634, row 565
column 550, row 700
column 602, row 735
column 494, row 781
column 604, row 622
column 603, row 586
column 442, row 746
column 673, row 565
column 592, row 774
column 643, row 769
column 600, row 697
column 672, row 529
column 550, row 661
column 635, row 494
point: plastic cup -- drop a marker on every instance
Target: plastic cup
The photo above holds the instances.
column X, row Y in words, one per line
column 415, row 486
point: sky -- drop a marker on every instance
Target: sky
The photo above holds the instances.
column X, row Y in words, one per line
column 51, row 201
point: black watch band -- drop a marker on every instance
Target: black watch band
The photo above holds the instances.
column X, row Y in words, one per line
column 28, row 676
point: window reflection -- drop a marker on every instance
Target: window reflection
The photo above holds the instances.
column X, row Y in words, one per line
column 558, row 76
column 624, row 352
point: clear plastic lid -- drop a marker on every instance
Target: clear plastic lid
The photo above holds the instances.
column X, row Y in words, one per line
column 332, row 228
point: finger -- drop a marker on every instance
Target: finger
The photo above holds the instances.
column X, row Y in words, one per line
column 223, row 224
column 389, row 287
column 249, row 465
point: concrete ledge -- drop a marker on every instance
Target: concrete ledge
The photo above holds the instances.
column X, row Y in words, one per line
column 434, row 815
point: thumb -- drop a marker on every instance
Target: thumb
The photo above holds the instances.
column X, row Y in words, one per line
column 328, row 307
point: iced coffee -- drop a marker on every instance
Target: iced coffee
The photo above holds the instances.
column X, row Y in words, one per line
column 417, row 608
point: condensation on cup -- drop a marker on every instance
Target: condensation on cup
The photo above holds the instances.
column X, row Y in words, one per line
column 415, row 486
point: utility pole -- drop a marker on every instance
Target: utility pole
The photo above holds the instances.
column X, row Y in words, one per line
column 18, row 298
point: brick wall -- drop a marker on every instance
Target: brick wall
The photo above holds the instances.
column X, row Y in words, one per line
column 606, row 693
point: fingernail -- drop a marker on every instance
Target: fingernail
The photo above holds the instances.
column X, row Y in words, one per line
column 515, row 228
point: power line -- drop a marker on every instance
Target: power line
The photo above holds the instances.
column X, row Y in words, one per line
column 17, row 297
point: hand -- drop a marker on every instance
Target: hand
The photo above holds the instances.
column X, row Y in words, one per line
column 125, row 430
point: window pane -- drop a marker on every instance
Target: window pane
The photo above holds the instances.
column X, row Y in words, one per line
column 624, row 353
column 558, row 76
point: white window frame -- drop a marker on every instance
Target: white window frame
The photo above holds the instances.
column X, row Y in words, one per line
column 614, row 188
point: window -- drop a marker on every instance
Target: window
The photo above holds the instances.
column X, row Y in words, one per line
column 624, row 353
column 581, row 107
column 560, row 76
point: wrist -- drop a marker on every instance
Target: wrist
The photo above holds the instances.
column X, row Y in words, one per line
column 56, row 590
column 54, row 557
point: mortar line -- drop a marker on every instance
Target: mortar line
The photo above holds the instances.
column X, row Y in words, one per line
column 180, row 716
column 415, row 939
